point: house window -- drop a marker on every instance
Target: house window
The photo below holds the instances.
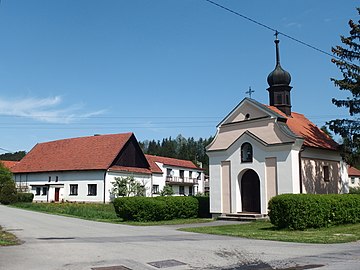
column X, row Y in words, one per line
column 155, row 189
column 326, row 173
column 190, row 190
column 352, row 180
column 57, row 179
column 279, row 99
column 182, row 174
column 190, row 174
column 246, row 152
column 38, row 191
column 168, row 172
column 74, row 190
column 49, row 179
column 181, row 190
column 44, row 190
column 92, row 189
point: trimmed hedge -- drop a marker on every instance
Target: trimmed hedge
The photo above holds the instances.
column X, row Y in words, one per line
column 156, row 208
column 302, row 211
column 25, row 197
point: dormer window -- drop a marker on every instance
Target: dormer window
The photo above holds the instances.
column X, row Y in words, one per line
column 246, row 152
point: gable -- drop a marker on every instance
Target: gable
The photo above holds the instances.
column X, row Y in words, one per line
column 248, row 109
column 131, row 155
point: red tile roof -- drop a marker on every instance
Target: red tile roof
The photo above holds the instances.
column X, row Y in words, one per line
column 173, row 162
column 303, row 127
column 353, row 171
column 84, row 153
column 9, row 164
column 130, row 169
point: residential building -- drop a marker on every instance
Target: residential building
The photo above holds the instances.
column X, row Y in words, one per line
column 83, row 169
column 354, row 177
column 9, row 164
column 260, row 151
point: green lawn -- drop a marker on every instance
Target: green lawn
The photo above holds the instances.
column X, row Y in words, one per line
column 7, row 239
column 97, row 212
column 266, row 231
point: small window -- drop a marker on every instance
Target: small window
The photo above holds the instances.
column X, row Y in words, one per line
column 326, row 173
column 181, row 190
column 246, row 152
column 190, row 174
column 74, row 189
column 49, row 179
column 279, row 99
column 92, row 189
column 155, row 189
column 247, row 116
column 38, row 191
column 352, row 180
column 57, row 179
column 168, row 172
column 190, row 190
column 182, row 174
column 44, row 191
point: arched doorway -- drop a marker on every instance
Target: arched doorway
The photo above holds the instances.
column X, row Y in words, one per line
column 250, row 192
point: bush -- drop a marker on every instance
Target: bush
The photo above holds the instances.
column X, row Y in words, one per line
column 8, row 193
column 354, row 190
column 155, row 209
column 25, row 197
column 302, row 211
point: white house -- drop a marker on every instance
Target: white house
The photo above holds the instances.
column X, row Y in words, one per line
column 354, row 177
column 83, row 169
column 260, row 151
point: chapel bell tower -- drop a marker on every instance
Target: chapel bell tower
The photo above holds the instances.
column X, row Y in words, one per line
column 279, row 82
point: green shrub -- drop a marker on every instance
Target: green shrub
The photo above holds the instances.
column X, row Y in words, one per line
column 302, row 211
column 354, row 190
column 155, row 209
column 25, row 197
column 8, row 193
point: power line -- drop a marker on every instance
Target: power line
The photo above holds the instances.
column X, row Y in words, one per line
column 276, row 31
column 6, row 150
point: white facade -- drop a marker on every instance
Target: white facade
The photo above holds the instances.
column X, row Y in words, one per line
column 96, row 186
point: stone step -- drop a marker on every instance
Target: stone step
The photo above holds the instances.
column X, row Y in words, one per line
column 243, row 216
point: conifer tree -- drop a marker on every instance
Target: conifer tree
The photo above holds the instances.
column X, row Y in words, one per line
column 347, row 60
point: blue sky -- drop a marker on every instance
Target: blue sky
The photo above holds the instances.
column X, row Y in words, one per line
column 158, row 68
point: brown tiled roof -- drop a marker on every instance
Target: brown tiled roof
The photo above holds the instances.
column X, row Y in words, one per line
column 84, row 153
column 9, row 164
column 353, row 171
column 173, row 162
column 303, row 127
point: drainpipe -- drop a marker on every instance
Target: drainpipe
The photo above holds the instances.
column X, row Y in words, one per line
column 300, row 171
column 104, row 185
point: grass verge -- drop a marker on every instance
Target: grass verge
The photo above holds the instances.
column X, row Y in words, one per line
column 264, row 230
column 97, row 212
column 7, row 239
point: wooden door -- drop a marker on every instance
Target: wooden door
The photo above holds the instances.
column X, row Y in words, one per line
column 250, row 192
column 57, row 193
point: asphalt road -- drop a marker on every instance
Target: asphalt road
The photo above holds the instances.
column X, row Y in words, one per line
column 56, row 242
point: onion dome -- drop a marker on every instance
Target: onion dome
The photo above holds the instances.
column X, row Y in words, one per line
column 278, row 76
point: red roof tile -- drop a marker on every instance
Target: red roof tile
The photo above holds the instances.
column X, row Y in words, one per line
column 353, row 171
column 84, row 153
column 173, row 162
column 130, row 169
column 9, row 164
column 303, row 127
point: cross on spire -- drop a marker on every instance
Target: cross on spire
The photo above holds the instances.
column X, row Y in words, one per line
column 249, row 92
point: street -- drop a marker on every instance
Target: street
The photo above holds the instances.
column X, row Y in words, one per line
column 57, row 242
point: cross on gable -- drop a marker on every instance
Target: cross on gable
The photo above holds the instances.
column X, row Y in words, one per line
column 249, row 92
